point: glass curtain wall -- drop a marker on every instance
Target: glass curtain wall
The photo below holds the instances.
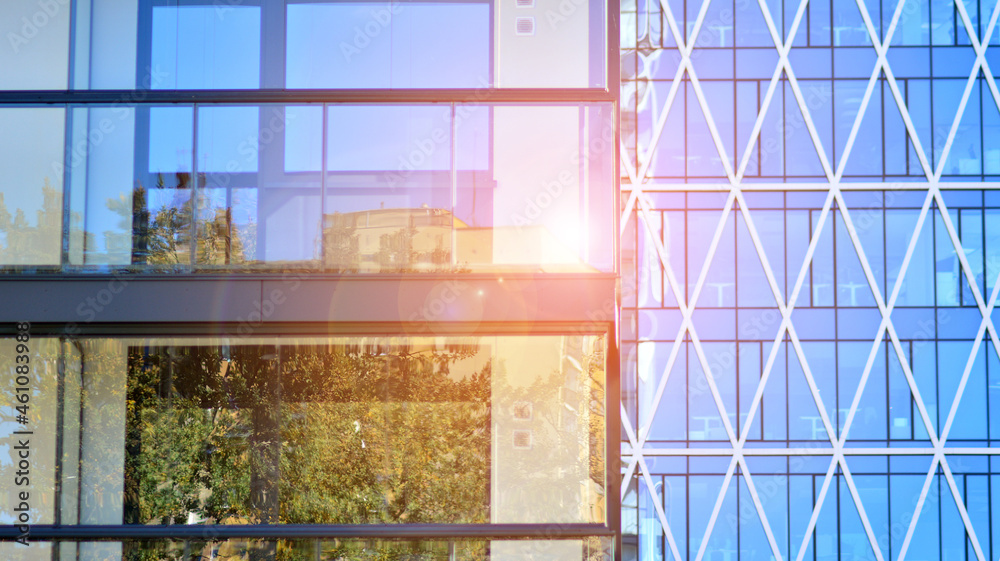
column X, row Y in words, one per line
column 810, row 366
column 338, row 143
column 292, row 431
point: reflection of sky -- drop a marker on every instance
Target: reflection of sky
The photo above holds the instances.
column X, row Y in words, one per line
column 364, row 45
column 376, row 137
column 199, row 48
column 30, row 146
column 171, row 139
column 228, row 139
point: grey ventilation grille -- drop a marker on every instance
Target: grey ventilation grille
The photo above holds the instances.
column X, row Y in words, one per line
column 524, row 26
column 525, row 3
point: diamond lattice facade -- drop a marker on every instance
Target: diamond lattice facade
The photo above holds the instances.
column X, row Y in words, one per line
column 810, row 252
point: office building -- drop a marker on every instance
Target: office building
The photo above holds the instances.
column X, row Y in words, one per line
column 309, row 280
column 810, row 235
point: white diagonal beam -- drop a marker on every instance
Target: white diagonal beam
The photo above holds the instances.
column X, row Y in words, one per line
column 861, row 509
column 980, row 63
column 886, row 313
column 811, row 527
column 686, row 308
column 658, row 506
column 868, row 93
column 970, row 276
column 786, row 318
column 962, row 511
column 783, row 51
column 799, row 98
column 882, row 62
column 921, row 499
column 716, row 509
column 759, row 505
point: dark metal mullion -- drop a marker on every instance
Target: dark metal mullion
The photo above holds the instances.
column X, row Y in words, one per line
column 193, row 250
column 67, row 141
column 885, row 284
column 815, row 531
column 760, row 139
column 612, row 437
column 663, row 504
column 982, row 141
column 994, row 546
column 888, row 491
column 913, row 402
column 67, row 208
column 836, row 326
column 196, row 329
column 264, row 96
column 79, row 437
column 837, row 473
column 60, row 405
column 937, row 334
column 760, row 357
column 906, row 134
column 324, row 146
column 548, row 531
column 881, row 91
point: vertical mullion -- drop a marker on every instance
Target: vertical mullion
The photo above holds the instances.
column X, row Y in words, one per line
column 324, row 130
column 193, row 250
column 454, row 187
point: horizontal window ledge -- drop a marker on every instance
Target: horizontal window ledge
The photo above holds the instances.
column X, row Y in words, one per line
column 291, row 531
column 463, row 95
column 256, row 303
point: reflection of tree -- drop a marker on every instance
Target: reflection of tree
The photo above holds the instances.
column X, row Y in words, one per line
column 330, row 436
column 164, row 238
column 21, row 244
column 563, row 472
column 396, row 251
column 395, row 240
column 340, row 242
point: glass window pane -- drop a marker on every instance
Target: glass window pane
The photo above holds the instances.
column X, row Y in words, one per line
column 522, row 188
column 111, row 26
column 592, row 548
column 35, row 54
column 414, row 188
column 388, row 45
column 103, row 180
column 31, row 185
column 206, row 47
column 349, row 430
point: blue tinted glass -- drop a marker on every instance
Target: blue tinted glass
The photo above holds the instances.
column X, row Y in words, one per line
column 388, row 45
column 194, row 47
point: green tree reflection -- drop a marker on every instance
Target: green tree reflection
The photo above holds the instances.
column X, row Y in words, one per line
column 341, row 437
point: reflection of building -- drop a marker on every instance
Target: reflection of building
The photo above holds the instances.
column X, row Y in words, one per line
column 390, row 239
column 431, row 239
column 269, row 305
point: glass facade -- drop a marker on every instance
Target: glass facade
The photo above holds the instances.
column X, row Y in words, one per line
column 810, row 366
column 347, row 430
column 300, row 280
column 460, row 187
